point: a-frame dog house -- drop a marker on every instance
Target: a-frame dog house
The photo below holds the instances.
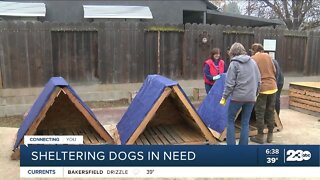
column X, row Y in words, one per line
column 60, row 111
column 161, row 114
column 215, row 116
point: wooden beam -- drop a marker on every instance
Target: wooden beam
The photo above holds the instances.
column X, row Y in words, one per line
column 306, row 57
column 196, row 94
column 144, row 139
column 16, row 154
column 304, row 106
column 117, row 137
column 195, row 116
column 186, row 131
column 153, row 135
column 90, row 136
column 302, row 96
column 43, row 112
column 149, row 137
column 298, row 91
column 309, row 91
column 174, row 134
column 160, row 135
column 167, row 135
column 313, row 85
column 223, row 135
column 278, row 123
column 33, row 127
column 93, row 122
column 303, row 101
column 183, row 133
column 1, row 83
column 139, row 142
column 149, row 116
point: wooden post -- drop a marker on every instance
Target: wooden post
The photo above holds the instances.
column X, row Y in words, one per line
column 1, row 64
column 158, row 55
column 196, row 94
column 1, row 84
column 306, row 55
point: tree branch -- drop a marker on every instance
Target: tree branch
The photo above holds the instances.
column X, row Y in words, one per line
column 275, row 8
column 285, row 5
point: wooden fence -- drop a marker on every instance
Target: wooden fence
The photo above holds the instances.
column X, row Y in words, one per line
column 123, row 52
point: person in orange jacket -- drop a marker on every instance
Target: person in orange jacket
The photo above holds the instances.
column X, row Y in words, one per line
column 265, row 104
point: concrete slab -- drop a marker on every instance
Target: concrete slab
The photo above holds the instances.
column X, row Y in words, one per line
column 8, row 169
column 23, row 98
column 299, row 128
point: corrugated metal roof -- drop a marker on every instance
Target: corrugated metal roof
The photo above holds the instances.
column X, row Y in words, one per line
column 224, row 18
column 134, row 12
column 22, row 9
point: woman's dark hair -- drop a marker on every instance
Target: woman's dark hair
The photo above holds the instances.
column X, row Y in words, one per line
column 215, row 51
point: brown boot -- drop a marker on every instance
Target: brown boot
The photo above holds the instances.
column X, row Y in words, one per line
column 270, row 137
column 258, row 139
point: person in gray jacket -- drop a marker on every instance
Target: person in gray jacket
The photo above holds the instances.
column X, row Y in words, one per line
column 242, row 84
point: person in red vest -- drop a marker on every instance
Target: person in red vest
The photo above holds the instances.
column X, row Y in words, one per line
column 212, row 68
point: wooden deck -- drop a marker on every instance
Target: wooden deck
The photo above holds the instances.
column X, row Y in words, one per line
column 170, row 134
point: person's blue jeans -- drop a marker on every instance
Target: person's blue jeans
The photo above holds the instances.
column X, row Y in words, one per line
column 234, row 107
column 207, row 87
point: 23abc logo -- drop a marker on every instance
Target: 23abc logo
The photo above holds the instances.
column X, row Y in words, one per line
column 298, row 155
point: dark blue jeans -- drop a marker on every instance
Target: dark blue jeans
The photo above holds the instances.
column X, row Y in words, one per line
column 234, row 107
column 207, row 87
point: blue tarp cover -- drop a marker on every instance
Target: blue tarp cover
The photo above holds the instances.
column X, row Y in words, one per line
column 40, row 103
column 212, row 113
column 147, row 96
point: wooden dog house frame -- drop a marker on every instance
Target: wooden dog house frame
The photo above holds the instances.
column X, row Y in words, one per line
column 169, row 119
column 60, row 111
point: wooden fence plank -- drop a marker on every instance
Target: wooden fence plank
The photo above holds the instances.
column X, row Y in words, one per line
column 2, row 54
column 171, row 55
column 102, row 53
column 125, row 52
column 33, row 45
column 186, row 52
column 122, row 72
column 8, row 82
column 19, row 56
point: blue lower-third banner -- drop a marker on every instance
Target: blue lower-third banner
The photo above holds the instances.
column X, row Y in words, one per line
column 173, row 156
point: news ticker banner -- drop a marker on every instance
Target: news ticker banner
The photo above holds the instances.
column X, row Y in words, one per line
column 169, row 160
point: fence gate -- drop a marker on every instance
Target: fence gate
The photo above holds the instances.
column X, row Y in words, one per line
column 75, row 55
column 245, row 38
column 164, row 52
column 294, row 53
